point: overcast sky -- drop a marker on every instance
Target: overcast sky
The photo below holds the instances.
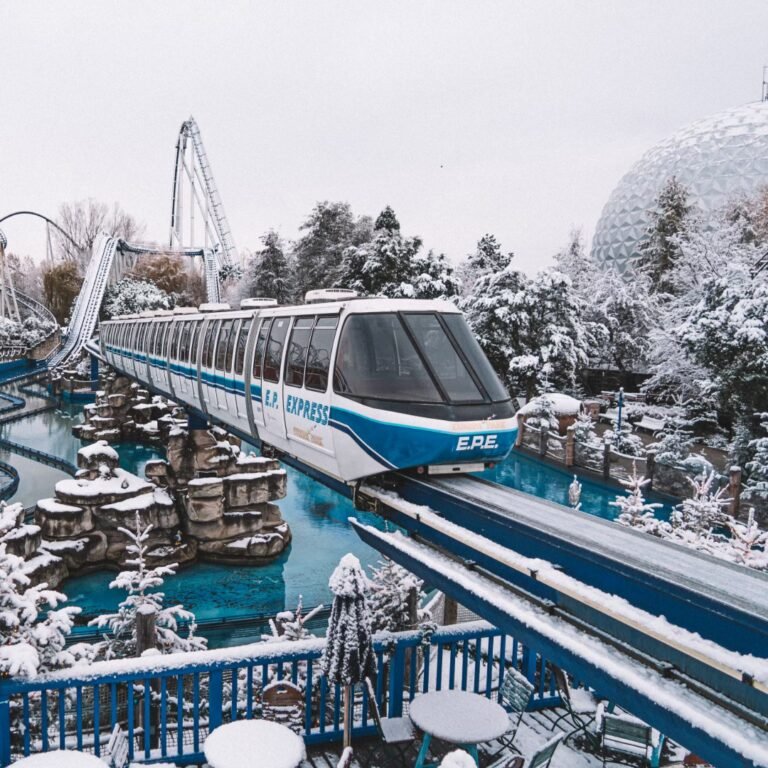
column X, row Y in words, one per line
column 516, row 118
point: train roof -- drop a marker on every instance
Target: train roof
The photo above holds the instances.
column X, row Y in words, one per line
column 352, row 305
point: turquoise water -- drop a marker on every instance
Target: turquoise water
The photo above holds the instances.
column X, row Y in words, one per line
column 317, row 516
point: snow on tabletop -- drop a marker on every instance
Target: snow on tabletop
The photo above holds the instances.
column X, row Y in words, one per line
column 459, row 717
column 458, row 759
column 58, row 758
column 730, row 729
column 99, row 448
column 562, row 405
column 52, row 506
column 253, row 744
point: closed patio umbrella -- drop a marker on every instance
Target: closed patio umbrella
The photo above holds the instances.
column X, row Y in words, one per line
column 348, row 657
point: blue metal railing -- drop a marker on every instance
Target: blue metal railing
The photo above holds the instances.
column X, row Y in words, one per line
column 167, row 705
column 12, row 485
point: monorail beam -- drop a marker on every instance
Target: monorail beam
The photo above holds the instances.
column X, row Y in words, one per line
column 713, row 731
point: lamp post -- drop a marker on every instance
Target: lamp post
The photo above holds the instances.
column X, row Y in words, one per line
column 621, row 406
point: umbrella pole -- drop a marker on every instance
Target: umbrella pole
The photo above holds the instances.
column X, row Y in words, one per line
column 347, row 716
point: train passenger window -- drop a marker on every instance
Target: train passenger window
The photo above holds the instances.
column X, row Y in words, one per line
column 297, row 351
column 196, row 326
column 482, row 367
column 443, row 357
column 174, row 350
column 258, row 353
column 184, row 342
column 319, row 353
column 242, row 341
column 274, row 351
column 230, row 351
column 221, row 347
column 159, row 338
column 376, row 359
column 210, row 340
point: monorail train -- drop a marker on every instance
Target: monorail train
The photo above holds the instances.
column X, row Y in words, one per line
column 349, row 387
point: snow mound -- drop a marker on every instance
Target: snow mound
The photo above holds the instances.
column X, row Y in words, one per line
column 562, row 405
column 458, row 759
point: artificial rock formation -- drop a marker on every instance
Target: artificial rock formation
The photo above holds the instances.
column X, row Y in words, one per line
column 124, row 412
column 226, row 499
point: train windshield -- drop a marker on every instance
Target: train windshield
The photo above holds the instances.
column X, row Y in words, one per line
column 417, row 357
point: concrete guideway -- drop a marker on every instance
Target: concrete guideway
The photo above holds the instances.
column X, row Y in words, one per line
column 718, row 729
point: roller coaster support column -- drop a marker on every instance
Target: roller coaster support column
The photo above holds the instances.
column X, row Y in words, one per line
column 94, row 373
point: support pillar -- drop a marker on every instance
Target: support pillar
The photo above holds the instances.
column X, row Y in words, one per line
column 94, row 375
column 734, row 490
column 570, row 446
column 195, row 421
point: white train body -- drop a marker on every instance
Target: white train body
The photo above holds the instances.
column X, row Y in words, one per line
column 349, row 388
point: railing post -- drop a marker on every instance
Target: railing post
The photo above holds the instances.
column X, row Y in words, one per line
column 734, row 489
column 570, row 440
column 215, row 698
column 520, row 430
column 396, row 672
column 5, row 727
column 543, row 439
column 606, row 459
column 529, row 664
column 650, row 467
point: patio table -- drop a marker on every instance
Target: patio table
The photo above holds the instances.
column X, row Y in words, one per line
column 254, row 744
column 458, row 717
column 61, row 758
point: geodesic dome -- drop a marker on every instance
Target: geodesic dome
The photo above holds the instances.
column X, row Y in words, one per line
column 718, row 159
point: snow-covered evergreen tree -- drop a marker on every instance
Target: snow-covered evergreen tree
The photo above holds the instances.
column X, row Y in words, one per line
column 675, row 440
column 141, row 584
column 747, row 545
column 129, row 296
column 434, row 277
column 575, row 261
column 268, row 273
column 704, row 511
column 329, row 230
column 385, row 266
column 486, row 259
column 660, row 247
column 756, row 486
column 290, row 625
column 634, row 511
column 532, row 331
column 391, row 587
column 34, row 623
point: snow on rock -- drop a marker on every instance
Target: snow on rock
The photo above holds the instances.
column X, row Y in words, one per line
column 53, row 507
column 65, row 545
column 99, row 449
column 562, row 405
column 233, row 745
column 122, row 484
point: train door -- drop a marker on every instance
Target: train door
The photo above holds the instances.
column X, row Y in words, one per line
column 144, row 350
column 181, row 380
column 163, row 355
column 229, row 368
column 207, row 370
column 255, row 392
column 222, row 370
column 274, row 420
column 174, row 335
column 241, row 397
column 306, row 395
column 193, row 358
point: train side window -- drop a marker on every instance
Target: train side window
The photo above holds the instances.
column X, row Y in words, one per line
column 242, row 341
column 376, row 359
column 297, row 351
column 443, row 357
column 221, row 347
column 274, row 351
column 210, row 340
column 319, row 354
column 258, row 353
column 174, row 351
column 160, row 343
column 230, row 352
column 184, row 342
column 196, row 326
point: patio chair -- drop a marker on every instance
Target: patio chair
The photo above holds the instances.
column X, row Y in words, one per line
column 514, row 695
column 581, row 716
column 396, row 733
column 117, row 748
column 541, row 758
column 626, row 739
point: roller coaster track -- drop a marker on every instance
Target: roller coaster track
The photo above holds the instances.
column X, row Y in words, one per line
column 85, row 315
column 198, row 173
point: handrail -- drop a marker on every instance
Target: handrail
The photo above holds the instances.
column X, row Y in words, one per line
column 12, row 486
column 40, row 456
column 187, row 695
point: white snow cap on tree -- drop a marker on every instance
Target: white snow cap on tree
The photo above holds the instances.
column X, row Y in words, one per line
column 348, row 578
